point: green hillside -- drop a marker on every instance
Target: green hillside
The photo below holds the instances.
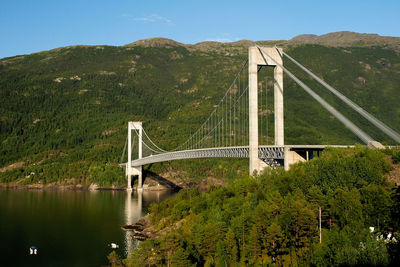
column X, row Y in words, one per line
column 64, row 112
column 273, row 220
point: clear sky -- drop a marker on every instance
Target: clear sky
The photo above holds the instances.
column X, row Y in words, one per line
column 28, row 26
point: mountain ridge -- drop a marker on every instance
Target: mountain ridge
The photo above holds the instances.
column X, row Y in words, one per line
column 335, row 39
column 347, row 38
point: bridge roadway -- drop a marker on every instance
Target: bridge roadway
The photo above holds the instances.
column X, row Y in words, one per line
column 264, row 152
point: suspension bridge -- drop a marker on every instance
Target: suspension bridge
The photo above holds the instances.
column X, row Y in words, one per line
column 232, row 129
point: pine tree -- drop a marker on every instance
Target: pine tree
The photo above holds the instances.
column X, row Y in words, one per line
column 276, row 243
column 221, row 254
column 180, row 258
column 169, row 244
column 254, row 245
column 232, row 248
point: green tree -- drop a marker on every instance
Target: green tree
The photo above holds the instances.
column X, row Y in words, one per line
column 181, row 258
column 376, row 204
column 373, row 251
column 114, row 259
column 221, row 255
column 276, row 242
column 346, row 207
column 395, row 196
column 255, row 246
column 316, row 197
column 232, row 247
column 298, row 220
column 170, row 243
column 148, row 253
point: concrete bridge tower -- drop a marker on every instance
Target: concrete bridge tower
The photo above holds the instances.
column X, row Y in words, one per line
column 258, row 58
column 131, row 171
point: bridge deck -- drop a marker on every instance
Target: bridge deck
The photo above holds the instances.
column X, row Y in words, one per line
column 264, row 152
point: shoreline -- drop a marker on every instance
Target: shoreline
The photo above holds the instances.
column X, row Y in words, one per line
column 143, row 229
column 77, row 187
column 154, row 182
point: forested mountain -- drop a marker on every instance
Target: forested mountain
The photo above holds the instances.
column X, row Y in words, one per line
column 64, row 112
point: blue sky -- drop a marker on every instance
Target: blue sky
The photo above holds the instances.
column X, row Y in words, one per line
column 28, row 26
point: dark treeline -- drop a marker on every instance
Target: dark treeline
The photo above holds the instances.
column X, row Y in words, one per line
column 273, row 219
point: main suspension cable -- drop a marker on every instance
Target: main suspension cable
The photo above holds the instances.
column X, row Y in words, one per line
column 351, row 126
column 380, row 125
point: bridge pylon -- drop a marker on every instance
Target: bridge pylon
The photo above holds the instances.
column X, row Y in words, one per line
column 257, row 58
column 130, row 170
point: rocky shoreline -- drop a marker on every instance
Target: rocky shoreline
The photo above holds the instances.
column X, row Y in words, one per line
column 77, row 187
column 144, row 229
column 152, row 183
column 44, row 187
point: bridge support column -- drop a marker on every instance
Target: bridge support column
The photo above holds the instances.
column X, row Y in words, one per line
column 257, row 58
column 278, row 105
column 130, row 171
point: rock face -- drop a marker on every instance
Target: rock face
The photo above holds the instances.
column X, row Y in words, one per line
column 394, row 175
column 12, row 166
column 142, row 229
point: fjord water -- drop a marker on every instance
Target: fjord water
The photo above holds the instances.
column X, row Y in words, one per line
column 69, row 228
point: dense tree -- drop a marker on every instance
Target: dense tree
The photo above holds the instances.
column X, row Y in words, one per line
column 376, row 205
column 170, row 243
column 275, row 242
column 181, row 258
column 232, row 248
column 273, row 219
column 346, row 207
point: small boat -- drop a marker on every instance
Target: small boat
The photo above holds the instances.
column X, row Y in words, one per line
column 114, row 246
column 33, row 250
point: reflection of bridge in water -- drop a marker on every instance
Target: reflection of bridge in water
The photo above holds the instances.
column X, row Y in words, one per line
column 136, row 204
column 232, row 129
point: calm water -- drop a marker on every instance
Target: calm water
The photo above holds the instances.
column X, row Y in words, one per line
column 69, row 228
